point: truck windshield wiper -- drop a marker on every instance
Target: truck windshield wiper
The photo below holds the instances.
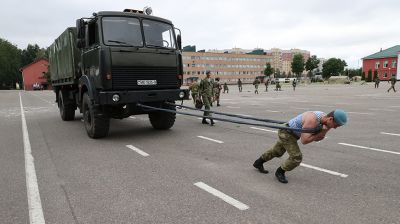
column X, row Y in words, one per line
column 120, row 42
column 157, row 46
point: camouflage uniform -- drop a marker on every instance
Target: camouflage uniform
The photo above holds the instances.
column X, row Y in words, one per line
column 194, row 88
column 393, row 82
column 256, row 83
column 240, row 85
column 287, row 142
column 217, row 91
column 206, row 92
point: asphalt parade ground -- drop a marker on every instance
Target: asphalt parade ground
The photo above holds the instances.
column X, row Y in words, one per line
column 52, row 172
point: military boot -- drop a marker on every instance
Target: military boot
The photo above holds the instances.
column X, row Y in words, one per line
column 258, row 164
column 204, row 121
column 280, row 175
column 212, row 121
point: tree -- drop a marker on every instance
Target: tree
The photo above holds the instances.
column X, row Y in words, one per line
column 333, row 67
column 31, row 53
column 312, row 63
column 268, row 70
column 298, row 64
column 10, row 63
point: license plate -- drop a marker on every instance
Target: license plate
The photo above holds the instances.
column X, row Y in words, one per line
column 146, row 82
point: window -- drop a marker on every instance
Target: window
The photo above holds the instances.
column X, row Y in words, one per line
column 123, row 31
column 158, row 34
column 385, row 64
column 394, row 64
column 377, row 65
column 385, row 75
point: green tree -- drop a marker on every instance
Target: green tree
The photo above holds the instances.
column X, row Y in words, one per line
column 312, row 63
column 10, row 63
column 31, row 53
column 268, row 70
column 363, row 76
column 298, row 64
column 333, row 67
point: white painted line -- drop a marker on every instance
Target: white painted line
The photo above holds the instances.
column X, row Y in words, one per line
column 133, row 117
column 222, row 196
column 349, row 112
column 199, row 118
column 261, row 129
column 395, row 106
column 210, row 139
column 137, row 150
column 273, row 111
column 373, row 149
column 245, row 115
column 34, row 202
column 385, row 133
column 324, row 170
column 233, row 107
column 381, row 109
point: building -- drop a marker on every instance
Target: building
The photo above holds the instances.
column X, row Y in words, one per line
column 33, row 75
column 384, row 63
column 231, row 64
column 229, row 67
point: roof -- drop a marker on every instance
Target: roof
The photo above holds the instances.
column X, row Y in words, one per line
column 35, row 61
column 388, row 53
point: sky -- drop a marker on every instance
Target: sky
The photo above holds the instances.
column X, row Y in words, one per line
column 345, row 29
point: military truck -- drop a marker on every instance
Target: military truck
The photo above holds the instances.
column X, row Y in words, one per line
column 111, row 62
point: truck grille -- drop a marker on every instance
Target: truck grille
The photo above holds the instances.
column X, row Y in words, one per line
column 126, row 77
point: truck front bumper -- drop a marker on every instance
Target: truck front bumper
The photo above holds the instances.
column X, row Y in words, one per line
column 135, row 96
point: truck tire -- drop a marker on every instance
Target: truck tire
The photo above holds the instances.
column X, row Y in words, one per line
column 163, row 120
column 66, row 106
column 96, row 125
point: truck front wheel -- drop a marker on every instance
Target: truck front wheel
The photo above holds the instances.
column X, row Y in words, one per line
column 162, row 120
column 66, row 106
column 96, row 124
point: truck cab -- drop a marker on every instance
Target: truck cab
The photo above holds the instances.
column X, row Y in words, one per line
column 124, row 58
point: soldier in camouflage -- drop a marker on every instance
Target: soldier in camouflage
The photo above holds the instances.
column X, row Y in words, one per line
column 217, row 91
column 194, row 89
column 207, row 93
column 287, row 141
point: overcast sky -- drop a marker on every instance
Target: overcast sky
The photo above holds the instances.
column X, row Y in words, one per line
column 346, row 29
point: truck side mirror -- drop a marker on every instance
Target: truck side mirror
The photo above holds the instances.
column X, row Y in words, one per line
column 179, row 40
column 80, row 26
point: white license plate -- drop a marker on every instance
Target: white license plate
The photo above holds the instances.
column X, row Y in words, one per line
column 146, row 82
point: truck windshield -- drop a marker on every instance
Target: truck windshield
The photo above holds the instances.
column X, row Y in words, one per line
column 123, row 31
column 158, row 34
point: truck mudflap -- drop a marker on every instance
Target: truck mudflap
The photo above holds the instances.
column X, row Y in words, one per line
column 133, row 96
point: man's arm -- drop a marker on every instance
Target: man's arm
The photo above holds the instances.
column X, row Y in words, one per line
column 310, row 122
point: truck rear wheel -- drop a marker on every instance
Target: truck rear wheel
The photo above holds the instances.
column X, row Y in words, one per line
column 66, row 106
column 162, row 120
column 97, row 125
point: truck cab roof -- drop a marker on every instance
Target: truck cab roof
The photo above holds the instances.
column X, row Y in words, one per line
column 130, row 14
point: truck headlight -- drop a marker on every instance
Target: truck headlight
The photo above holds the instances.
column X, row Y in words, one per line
column 181, row 95
column 115, row 98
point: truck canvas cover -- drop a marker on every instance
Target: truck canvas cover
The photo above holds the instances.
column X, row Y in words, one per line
column 64, row 58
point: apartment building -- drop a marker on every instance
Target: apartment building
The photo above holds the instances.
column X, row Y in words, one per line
column 229, row 67
column 231, row 64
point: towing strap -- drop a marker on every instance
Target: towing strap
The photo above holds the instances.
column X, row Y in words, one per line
column 310, row 130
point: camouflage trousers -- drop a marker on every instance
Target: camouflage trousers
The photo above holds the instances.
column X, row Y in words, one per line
column 287, row 142
column 207, row 101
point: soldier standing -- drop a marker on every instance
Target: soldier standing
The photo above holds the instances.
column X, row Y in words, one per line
column 194, row 89
column 240, row 85
column 226, row 88
column 392, row 82
column 217, row 91
column 377, row 82
column 206, row 92
column 287, row 141
column 266, row 85
column 294, row 83
column 256, row 83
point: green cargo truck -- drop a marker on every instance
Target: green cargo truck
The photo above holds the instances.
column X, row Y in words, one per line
column 111, row 62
